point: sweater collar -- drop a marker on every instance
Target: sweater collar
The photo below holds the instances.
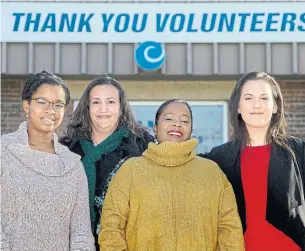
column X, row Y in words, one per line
column 18, row 144
column 171, row 153
column 23, row 137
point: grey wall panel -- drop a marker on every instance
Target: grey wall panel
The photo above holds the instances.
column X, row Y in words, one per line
column 70, row 58
column 301, row 57
column 76, row 59
column 255, row 57
column 176, row 59
column 44, row 57
column 17, row 58
column 281, row 59
column 123, row 62
column 202, row 59
column 147, row 1
column 228, row 59
column 97, row 55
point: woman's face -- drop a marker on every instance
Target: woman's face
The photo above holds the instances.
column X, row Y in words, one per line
column 104, row 108
column 46, row 108
column 174, row 123
column 256, row 104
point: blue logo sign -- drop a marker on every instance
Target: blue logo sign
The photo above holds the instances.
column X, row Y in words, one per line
column 149, row 55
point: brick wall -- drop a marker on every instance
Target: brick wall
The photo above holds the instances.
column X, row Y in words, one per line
column 11, row 109
column 294, row 98
column 12, row 113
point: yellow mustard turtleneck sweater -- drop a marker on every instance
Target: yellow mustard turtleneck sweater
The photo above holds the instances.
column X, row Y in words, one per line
column 168, row 199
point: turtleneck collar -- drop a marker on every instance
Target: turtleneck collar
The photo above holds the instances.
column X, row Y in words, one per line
column 171, row 153
column 17, row 143
column 23, row 137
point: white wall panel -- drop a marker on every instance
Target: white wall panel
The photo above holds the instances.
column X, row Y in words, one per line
column 70, row 58
column 255, row 57
column 301, row 58
column 98, row 60
column 150, row 1
column 97, row 55
column 202, row 59
column 176, row 59
column 281, row 55
column 228, row 59
column 44, row 57
column 17, row 58
column 123, row 59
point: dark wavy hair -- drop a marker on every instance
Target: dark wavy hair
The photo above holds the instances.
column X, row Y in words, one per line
column 166, row 103
column 277, row 131
column 80, row 121
column 44, row 77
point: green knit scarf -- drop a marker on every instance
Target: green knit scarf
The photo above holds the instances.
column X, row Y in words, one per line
column 92, row 155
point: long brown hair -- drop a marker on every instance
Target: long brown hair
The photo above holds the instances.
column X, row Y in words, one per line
column 277, row 131
column 80, row 122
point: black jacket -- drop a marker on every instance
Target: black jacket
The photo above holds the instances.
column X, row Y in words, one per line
column 132, row 146
column 285, row 195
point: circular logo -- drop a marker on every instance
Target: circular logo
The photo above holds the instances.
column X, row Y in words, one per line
column 149, row 55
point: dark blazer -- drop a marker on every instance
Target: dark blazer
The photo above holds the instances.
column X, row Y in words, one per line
column 285, row 195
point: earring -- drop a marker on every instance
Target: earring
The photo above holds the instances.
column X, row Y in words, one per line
column 26, row 115
column 156, row 141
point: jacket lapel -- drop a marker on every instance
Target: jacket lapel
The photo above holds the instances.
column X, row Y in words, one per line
column 283, row 188
column 232, row 163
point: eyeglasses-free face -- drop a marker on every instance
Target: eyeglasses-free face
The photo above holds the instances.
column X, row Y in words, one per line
column 174, row 123
column 104, row 108
column 256, row 104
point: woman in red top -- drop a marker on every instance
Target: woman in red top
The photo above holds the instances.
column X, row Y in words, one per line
column 265, row 165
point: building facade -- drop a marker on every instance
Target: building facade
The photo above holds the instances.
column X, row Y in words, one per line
column 202, row 73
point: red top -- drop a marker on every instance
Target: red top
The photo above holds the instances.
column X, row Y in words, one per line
column 260, row 235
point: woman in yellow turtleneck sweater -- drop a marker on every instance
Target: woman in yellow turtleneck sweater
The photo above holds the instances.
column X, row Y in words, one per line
column 169, row 199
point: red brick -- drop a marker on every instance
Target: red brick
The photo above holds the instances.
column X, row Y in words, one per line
column 12, row 113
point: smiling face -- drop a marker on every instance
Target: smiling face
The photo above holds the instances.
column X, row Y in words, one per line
column 174, row 123
column 104, row 108
column 41, row 119
column 256, row 104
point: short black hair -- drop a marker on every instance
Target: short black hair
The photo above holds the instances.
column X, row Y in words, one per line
column 166, row 103
column 44, row 77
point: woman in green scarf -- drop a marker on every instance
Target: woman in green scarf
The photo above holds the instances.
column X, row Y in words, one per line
column 103, row 131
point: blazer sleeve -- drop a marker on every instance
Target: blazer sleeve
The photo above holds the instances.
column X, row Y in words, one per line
column 298, row 147
column 230, row 232
column 303, row 168
column 300, row 211
column 212, row 155
column 303, row 178
column 112, row 236
column 81, row 238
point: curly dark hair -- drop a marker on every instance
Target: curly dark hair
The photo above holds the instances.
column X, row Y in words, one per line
column 277, row 131
column 80, row 122
column 44, row 77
